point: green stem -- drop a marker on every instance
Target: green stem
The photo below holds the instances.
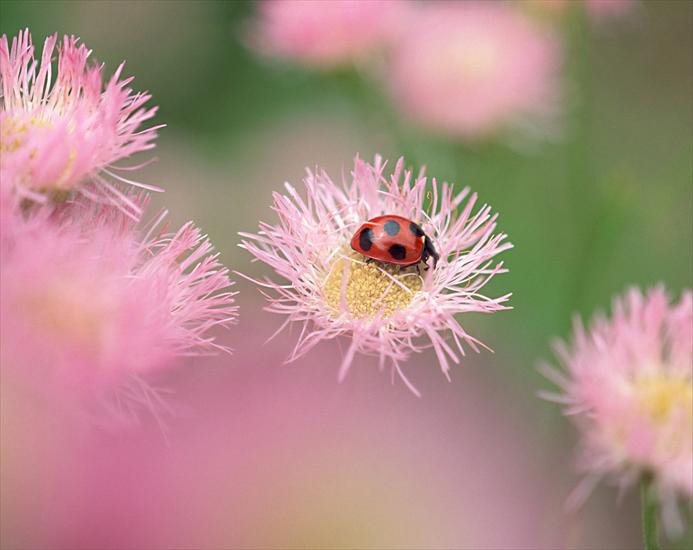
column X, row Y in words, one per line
column 582, row 188
column 649, row 514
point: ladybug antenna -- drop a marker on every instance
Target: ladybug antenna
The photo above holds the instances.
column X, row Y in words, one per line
column 429, row 205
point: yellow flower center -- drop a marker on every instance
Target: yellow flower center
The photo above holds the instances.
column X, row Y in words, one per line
column 68, row 312
column 366, row 290
column 13, row 129
column 471, row 61
column 13, row 136
column 661, row 396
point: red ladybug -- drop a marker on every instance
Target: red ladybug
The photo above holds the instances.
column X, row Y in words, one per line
column 394, row 240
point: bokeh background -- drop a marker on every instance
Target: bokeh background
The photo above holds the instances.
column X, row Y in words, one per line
column 259, row 454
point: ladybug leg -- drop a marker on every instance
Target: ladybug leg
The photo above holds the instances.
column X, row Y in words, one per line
column 424, row 261
column 430, row 250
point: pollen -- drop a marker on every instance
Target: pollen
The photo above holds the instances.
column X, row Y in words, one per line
column 364, row 290
column 62, row 310
column 11, row 135
column 13, row 131
column 662, row 396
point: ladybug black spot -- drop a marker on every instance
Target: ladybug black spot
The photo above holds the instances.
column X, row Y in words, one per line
column 366, row 239
column 391, row 227
column 416, row 230
column 397, row 251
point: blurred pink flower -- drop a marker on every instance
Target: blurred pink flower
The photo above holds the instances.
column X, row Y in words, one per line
column 324, row 34
column 63, row 132
column 271, row 453
column 470, row 70
column 629, row 389
column 89, row 304
column 603, row 9
column 382, row 309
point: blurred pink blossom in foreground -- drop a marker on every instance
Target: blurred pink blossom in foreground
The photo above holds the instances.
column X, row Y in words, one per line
column 324, row 34
column 470, row 70
column 629, row 389
column 382, row 310
column 90, row 305
column 276, row 457
column 63, row 132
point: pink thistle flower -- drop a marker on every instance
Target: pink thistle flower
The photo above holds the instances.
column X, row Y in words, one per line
column 90, row 306
column 472, row 70
column 324, row 34
column 629, row 390
column 383, row 310
column 63, row 132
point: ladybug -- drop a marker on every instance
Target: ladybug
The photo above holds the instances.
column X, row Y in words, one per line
column 394, row 240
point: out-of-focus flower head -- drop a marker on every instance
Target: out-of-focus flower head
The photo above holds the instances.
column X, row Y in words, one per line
column 629, row 389
column 604, row 9
column 324, row 34
column 383, row 310
column 472, row 70
column 62, row 132
column 90, row 305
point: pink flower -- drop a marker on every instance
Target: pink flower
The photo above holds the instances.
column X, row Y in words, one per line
column 63, row 132
column 90, row 305
column 324, row 34
column 471, row 70
column 604, row 9
column 629, row 389
column 381, row 309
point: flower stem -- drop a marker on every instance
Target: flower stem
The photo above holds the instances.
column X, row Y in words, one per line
column 583, row 189
column 649, row 514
